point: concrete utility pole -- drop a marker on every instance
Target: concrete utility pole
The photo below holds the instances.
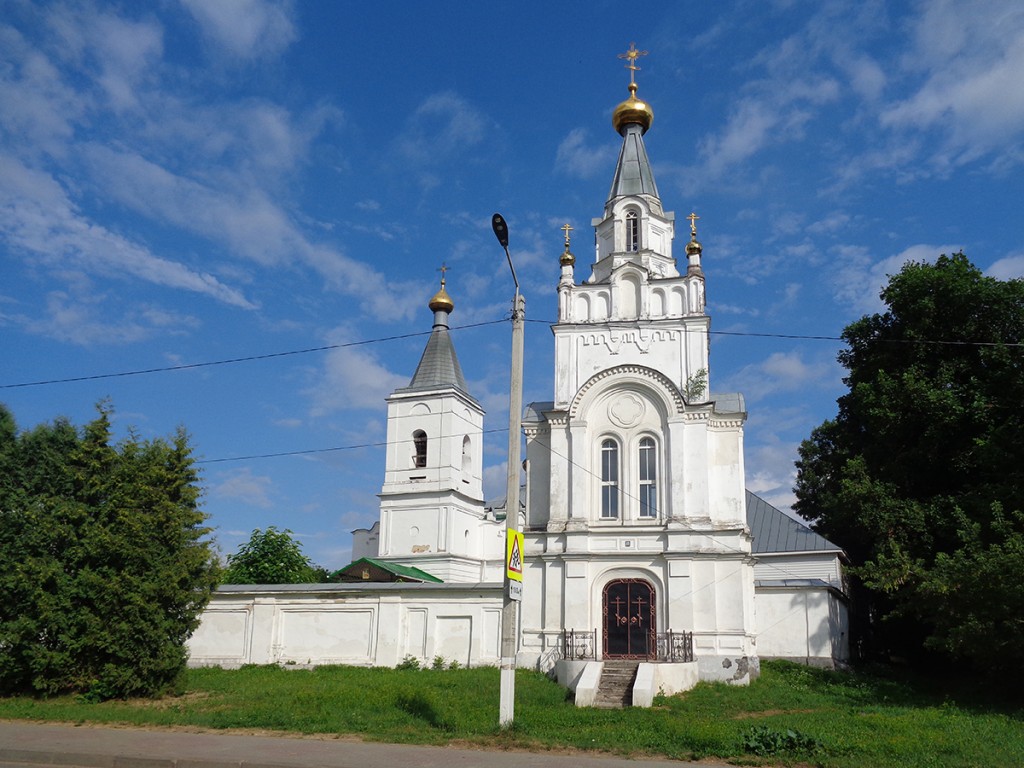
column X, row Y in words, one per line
column 509, row 611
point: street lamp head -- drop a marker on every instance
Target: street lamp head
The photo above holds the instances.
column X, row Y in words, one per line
column 500, row 229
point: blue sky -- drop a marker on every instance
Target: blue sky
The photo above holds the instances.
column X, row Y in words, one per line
column 194, row 181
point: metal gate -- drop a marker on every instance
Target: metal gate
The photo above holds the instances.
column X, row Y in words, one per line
column 630, row 621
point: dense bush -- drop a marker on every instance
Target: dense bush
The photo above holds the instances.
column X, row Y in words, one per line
column 106, row 564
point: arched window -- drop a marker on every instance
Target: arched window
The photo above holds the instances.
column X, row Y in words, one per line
column 609, row 480
column 467, row 457
column 419, row 442
column 632, row 231
column 648, row 478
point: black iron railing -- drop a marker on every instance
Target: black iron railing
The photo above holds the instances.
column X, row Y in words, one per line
column 579, row 644
column 675, row 647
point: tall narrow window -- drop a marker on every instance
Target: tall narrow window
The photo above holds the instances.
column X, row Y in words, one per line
column 648, row 478
column 632, row 232
column 419, row 442
column 467, row 458
column 609, row 480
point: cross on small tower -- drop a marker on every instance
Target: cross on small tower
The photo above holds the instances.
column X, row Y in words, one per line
column 567, row 229
column 442, row 269
column 693, row 217
column 632, row 54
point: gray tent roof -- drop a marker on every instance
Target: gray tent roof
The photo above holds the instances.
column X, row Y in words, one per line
column 775, row 532
column 633, row 174
column 439, row 366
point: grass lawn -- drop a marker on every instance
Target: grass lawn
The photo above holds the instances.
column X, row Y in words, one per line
column 792, row 715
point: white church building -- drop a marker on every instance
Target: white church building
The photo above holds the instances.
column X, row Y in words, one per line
column 641, row 540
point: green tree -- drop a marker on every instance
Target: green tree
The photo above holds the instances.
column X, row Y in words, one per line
column 272, row 557
column 107, row 562
column 920, row 476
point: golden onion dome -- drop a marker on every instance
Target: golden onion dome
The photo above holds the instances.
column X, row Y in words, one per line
column 694, row 248
column 441, row 302
column 632, row 110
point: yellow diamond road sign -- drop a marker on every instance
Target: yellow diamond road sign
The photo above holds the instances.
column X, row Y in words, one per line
column 514, row 555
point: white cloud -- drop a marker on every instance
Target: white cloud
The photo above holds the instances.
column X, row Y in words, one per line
column 246, row 29
column 971, row 57
column 119, row 54
column 781, row 372
column 159, row 317
column 867, row 77
column 771, row 471
column 495, row 481
column 443, row 125
column 244, row 486
column 84, row 322
column 859, row 282
column 777, row 113
column 39, row 110
column 1008, row 268
column 88, row 317
column 254, row 139
column 248, row 221
column 577, row 159
column 214, row 171
column 36, row 216
column 831, row 223
column 352, row 378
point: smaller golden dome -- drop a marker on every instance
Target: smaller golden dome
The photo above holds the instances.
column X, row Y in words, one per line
column 632, row 110
column 694, row 248
column 441, row 302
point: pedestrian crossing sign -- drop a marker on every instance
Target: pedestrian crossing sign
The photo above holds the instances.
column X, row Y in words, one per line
column 514, row 555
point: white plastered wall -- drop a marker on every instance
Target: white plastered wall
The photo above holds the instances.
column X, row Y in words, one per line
column 358, row 624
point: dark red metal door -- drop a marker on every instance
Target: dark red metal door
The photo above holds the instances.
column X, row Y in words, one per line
column 629, row 620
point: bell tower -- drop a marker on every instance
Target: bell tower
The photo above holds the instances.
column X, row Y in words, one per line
column 431, row 504
column 636, row 509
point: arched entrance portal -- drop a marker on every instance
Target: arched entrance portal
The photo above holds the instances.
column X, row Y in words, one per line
column 630, row 620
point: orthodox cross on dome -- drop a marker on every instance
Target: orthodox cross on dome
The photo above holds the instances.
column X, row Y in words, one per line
column 567, row 259
column 632, row 55
column 442, row 269
column 693, row 217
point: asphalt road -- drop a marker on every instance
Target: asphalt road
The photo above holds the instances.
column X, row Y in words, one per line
column 88, row 746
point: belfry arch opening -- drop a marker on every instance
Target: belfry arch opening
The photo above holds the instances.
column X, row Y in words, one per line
column 419, row 443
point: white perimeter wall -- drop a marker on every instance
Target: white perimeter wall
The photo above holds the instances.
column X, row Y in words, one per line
column 802, row 624
column 380, row 624
column 360, row 624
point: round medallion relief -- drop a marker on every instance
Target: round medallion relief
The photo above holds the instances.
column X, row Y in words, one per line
column 627, row 410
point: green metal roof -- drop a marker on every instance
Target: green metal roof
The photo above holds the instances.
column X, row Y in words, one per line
column 404, row 572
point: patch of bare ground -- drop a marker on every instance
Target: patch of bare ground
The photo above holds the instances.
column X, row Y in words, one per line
column 166, row 702
column 771, row 713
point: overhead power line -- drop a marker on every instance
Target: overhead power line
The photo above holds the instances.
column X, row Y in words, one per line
column 625, row 492
column 310, row 451
column 231, row 361
column 364, row 342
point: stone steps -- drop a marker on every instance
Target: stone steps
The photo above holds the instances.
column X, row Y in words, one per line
column 615, row 690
